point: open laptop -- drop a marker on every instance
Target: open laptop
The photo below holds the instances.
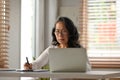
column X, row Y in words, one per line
column 67, row 60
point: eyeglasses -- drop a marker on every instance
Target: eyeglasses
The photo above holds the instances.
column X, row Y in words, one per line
column 63, row 32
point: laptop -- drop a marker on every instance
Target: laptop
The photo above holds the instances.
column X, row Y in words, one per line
column 67, row 60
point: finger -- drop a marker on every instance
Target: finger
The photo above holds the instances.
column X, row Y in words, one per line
column 27, row 66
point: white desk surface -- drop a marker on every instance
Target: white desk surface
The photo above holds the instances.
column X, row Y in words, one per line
column 47, row 74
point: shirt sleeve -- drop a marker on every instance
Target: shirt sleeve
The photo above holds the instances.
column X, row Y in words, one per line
column 41, row 60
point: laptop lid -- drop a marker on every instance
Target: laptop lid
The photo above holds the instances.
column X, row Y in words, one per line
column 67, row 59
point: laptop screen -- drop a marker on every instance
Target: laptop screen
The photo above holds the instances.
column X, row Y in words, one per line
column 67, row 59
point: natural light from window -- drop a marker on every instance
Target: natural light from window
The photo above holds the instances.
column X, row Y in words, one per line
column 103, row 28
column 27, row 31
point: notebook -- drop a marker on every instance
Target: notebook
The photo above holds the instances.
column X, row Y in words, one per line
column 67, row 60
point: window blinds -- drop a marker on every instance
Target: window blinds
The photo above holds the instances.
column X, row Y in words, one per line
column 101, row 32
column 83, row 23
column 102, row 24
column 4, row 28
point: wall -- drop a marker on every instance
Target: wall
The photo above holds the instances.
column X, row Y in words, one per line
column 50, row 18
column 71, row 9
column 71, row 12
column 14, row 45
column 72, row 3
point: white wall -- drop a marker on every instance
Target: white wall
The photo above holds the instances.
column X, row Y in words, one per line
column 70, row 9
column 70, row 12
column 50, row 18
column 14, row 45
column 70, row 3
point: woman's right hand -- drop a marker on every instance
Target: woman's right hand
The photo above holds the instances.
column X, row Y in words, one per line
column 27, row 66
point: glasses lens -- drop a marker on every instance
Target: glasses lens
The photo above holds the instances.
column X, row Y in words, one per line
column 61, row 32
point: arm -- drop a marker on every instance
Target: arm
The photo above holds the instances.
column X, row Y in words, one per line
column 41, row 60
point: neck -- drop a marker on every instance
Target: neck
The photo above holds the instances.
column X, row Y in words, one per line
column 63, row 46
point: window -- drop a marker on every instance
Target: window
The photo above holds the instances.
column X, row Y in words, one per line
column 27, row 32
column 4, row 31
column 100, row 32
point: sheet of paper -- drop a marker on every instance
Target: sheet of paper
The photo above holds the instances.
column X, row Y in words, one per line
column 7, row 69
column 38, row 70
column 41, row 70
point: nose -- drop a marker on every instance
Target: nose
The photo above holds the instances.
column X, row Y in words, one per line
column 60, row 34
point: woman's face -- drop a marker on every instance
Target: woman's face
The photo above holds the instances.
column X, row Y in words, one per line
column 61, row 33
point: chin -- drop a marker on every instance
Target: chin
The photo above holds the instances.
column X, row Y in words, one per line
column 61, row 42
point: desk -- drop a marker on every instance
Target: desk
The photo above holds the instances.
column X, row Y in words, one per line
column 46, row 74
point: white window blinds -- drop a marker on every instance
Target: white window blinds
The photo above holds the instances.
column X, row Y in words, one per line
column 4, row 28
column 101, row 30
column 83, row 23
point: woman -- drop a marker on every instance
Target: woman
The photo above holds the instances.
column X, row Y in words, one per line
column 64, row 35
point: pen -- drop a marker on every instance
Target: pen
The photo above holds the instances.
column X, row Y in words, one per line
column 27, row 60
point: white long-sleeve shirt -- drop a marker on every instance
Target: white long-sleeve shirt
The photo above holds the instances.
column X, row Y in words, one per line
column 42, row 60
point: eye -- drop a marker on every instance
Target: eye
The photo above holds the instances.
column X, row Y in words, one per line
column 57, row 31
column 64, row 31
column 61, row 32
